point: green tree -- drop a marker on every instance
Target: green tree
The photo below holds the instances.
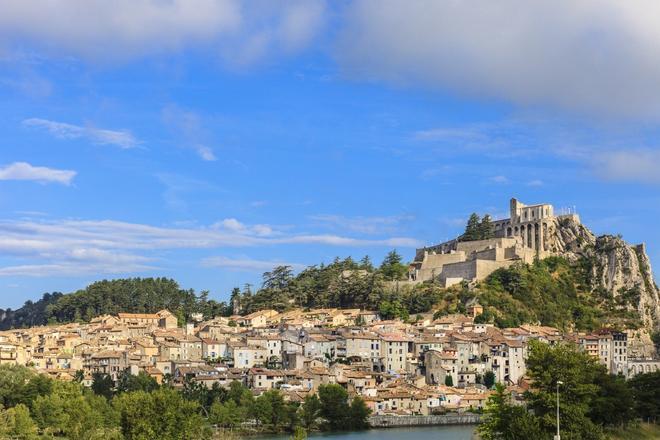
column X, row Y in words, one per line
column 486, row 229
column 392, row 268
column 227, row 415
column 102, row 385
column 366, row 264
column 15, row 423
column 299, row 433
column 79, row 376
column 240, row 394
column 393, row 309
column 334, row 407
column 646, row 393
column 141, row 382
column 162, row 414
column 505, row 421
column 579, row 372
column 472, row 228
column 489, row 379
column 72, row 412
column 310, row 411
column 270, row 409
column 359, row 414
column 613, row 404
column 449, row 381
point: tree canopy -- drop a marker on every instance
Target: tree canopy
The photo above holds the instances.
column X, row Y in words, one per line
column 478, row 228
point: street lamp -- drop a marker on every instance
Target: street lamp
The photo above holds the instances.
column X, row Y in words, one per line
column 558, row 437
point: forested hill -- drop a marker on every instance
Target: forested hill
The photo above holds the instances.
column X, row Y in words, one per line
column 136, row 295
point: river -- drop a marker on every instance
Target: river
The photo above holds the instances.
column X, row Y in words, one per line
column 459, row 432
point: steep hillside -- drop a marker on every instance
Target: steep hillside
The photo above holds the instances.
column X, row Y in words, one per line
column 617, row 272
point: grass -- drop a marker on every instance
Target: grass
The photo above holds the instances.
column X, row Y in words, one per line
column 640, row 432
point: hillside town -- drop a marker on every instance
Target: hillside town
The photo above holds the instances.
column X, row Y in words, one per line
column 428, row 366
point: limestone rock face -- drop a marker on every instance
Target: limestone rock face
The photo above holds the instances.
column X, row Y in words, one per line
column 618, row 270
column 568, row 237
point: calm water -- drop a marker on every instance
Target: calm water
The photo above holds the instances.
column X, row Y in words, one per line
column 418, row 433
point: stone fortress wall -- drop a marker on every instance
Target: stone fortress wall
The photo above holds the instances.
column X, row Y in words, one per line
column 523, row 236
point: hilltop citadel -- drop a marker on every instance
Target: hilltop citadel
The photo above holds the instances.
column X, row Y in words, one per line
column 524, row 236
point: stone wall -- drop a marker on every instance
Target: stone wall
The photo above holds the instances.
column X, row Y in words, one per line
column 470, row 247
column 401, row 421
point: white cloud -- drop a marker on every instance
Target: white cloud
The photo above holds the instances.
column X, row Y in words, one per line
column 449, row 133
column 121, row 247
column 206, row 153
column 69, row 269
column 629, row 166
column 123, row 29
column 25, row 171
column 247, row 264
column 598, row 57
column 188, row 126
column 233, row 225
column 119, row 138
column 499, row 179
column 535, row 182
column 364, row 225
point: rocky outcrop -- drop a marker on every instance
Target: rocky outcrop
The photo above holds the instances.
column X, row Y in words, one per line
column 568, row 237
column 620, row 273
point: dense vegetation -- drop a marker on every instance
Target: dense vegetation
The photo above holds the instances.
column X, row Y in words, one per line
column 34, row 407
column 592, row 402
column 551, row 292
column 136, row 295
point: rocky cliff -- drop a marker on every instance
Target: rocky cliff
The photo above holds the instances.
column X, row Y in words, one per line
column 620, row 274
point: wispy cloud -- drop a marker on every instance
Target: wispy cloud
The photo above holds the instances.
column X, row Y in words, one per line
column 233, row 225
column 121, row 247
column 535, row 182
column 119, row 138
column 628, row 165
column 450, row 133
column 499, row 179
column 247, row 264
column 25, row 171
column 364, row 225
column 178, row 190
column 206, row 153
column 188, row 126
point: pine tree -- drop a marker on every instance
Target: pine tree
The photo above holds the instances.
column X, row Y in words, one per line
column 472, row 229
column 486, row 230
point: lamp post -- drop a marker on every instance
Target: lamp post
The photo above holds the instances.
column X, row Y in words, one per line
column 558, row 437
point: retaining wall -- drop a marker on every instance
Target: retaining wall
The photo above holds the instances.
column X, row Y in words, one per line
column 447, row 419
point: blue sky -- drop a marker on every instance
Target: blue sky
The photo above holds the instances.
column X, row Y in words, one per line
column 209, row 142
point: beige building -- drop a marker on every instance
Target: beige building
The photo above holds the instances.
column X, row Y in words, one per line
column 394, row 351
